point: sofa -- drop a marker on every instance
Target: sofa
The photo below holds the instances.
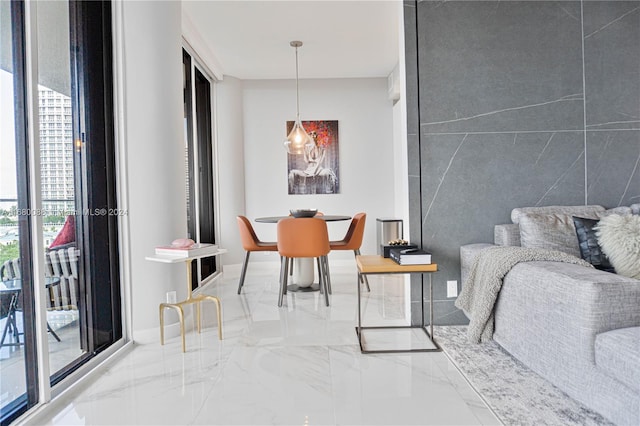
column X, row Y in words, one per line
column 578, row 327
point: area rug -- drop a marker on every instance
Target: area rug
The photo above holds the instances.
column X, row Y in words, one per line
column 516, row 394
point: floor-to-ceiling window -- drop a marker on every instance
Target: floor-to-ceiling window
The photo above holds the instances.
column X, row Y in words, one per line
column 58, row 217
column 198, row 127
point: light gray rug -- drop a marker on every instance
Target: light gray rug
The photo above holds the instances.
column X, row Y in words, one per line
column 517, row 395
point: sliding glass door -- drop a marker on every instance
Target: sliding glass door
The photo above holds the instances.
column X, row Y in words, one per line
column 59, row 168
column 58, row 217
column 18, row 377
column 199, row 151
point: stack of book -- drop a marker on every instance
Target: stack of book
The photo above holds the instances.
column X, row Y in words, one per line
column 193, row 250
column 410, row 256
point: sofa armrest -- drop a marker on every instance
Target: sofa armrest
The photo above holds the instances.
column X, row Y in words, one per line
column 507, row 235
column 562, row 306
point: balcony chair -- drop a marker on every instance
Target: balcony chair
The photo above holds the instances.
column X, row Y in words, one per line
column 251, row 243
column 306, row 237
column 11, row 303
column 353, row 240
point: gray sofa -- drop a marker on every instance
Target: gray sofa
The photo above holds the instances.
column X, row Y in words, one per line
column 577, row 327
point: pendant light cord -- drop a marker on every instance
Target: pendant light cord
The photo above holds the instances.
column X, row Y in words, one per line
column 297, row 89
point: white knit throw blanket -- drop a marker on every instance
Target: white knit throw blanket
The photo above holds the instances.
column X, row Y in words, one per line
column 480, row 290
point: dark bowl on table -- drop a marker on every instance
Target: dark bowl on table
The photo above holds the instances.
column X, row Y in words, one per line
column 303, row 212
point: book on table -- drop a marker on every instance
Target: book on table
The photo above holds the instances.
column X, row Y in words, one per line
column 411, row 256
column 194, row 250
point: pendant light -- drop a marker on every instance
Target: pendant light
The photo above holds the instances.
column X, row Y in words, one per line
column 298, row 137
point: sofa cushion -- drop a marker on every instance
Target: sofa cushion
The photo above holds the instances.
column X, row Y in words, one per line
column 618, row 355
column 590, row 250
column 553, row 231
column 582, row 211
column 619, row 237
column 506, row 234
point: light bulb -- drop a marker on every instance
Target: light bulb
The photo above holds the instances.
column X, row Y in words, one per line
column 297, row 139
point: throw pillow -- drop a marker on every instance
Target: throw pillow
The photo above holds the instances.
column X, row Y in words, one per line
column 549, row 231
column 619, row 237
column 582, row 211
column 67, row 234
column 590, row 250
column 621, row 210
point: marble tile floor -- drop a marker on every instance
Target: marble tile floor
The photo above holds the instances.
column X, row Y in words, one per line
column 299, row 364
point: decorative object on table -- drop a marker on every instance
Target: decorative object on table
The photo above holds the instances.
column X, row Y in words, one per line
column 410, row 256
column 387, row 229
column 397, row 243
column 619, row 237
column 184, row 247
column 297, row 137
column 303, row 212
column 251, row 242
column 316, row 169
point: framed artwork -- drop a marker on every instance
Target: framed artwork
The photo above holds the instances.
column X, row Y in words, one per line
column 317, row 170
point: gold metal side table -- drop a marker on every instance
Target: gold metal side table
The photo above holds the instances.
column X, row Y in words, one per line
column 178, row 306
column 373, row 265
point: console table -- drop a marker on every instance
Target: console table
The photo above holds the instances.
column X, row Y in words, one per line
column 374, row 265
column 178, row 306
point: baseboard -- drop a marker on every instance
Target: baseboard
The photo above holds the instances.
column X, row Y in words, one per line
column 152, row 335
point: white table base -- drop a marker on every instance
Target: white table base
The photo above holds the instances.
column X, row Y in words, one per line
column 303, row 275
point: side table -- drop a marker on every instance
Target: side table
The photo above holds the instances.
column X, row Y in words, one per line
column 178, row 306
column 373, row 265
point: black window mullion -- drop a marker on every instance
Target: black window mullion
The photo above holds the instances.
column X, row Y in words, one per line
column 205, row 169
column 99, row 219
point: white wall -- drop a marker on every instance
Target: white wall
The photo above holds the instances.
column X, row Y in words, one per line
column 153, row 147
column 400, row 135
column 230, row 166
column 365, row 121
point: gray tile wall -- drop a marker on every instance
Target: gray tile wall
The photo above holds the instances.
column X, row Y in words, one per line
column 515, row 103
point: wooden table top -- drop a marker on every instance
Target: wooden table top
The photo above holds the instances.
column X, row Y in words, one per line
column 375, row 264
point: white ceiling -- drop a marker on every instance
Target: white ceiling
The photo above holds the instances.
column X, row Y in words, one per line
column 342, row 39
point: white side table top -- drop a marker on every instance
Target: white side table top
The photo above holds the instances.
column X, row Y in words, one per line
column 177, row 259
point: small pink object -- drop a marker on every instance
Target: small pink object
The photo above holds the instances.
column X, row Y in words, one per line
column 182, row 243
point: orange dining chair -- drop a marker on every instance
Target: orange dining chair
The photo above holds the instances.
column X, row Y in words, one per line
column 251, row 242
column 318, row 213
column 303, row 237
column 353, row 240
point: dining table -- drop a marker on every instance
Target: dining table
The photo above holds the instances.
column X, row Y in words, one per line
column 303, row 268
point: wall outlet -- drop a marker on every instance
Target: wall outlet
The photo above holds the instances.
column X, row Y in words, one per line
column 172, row 297
column 452, row 288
